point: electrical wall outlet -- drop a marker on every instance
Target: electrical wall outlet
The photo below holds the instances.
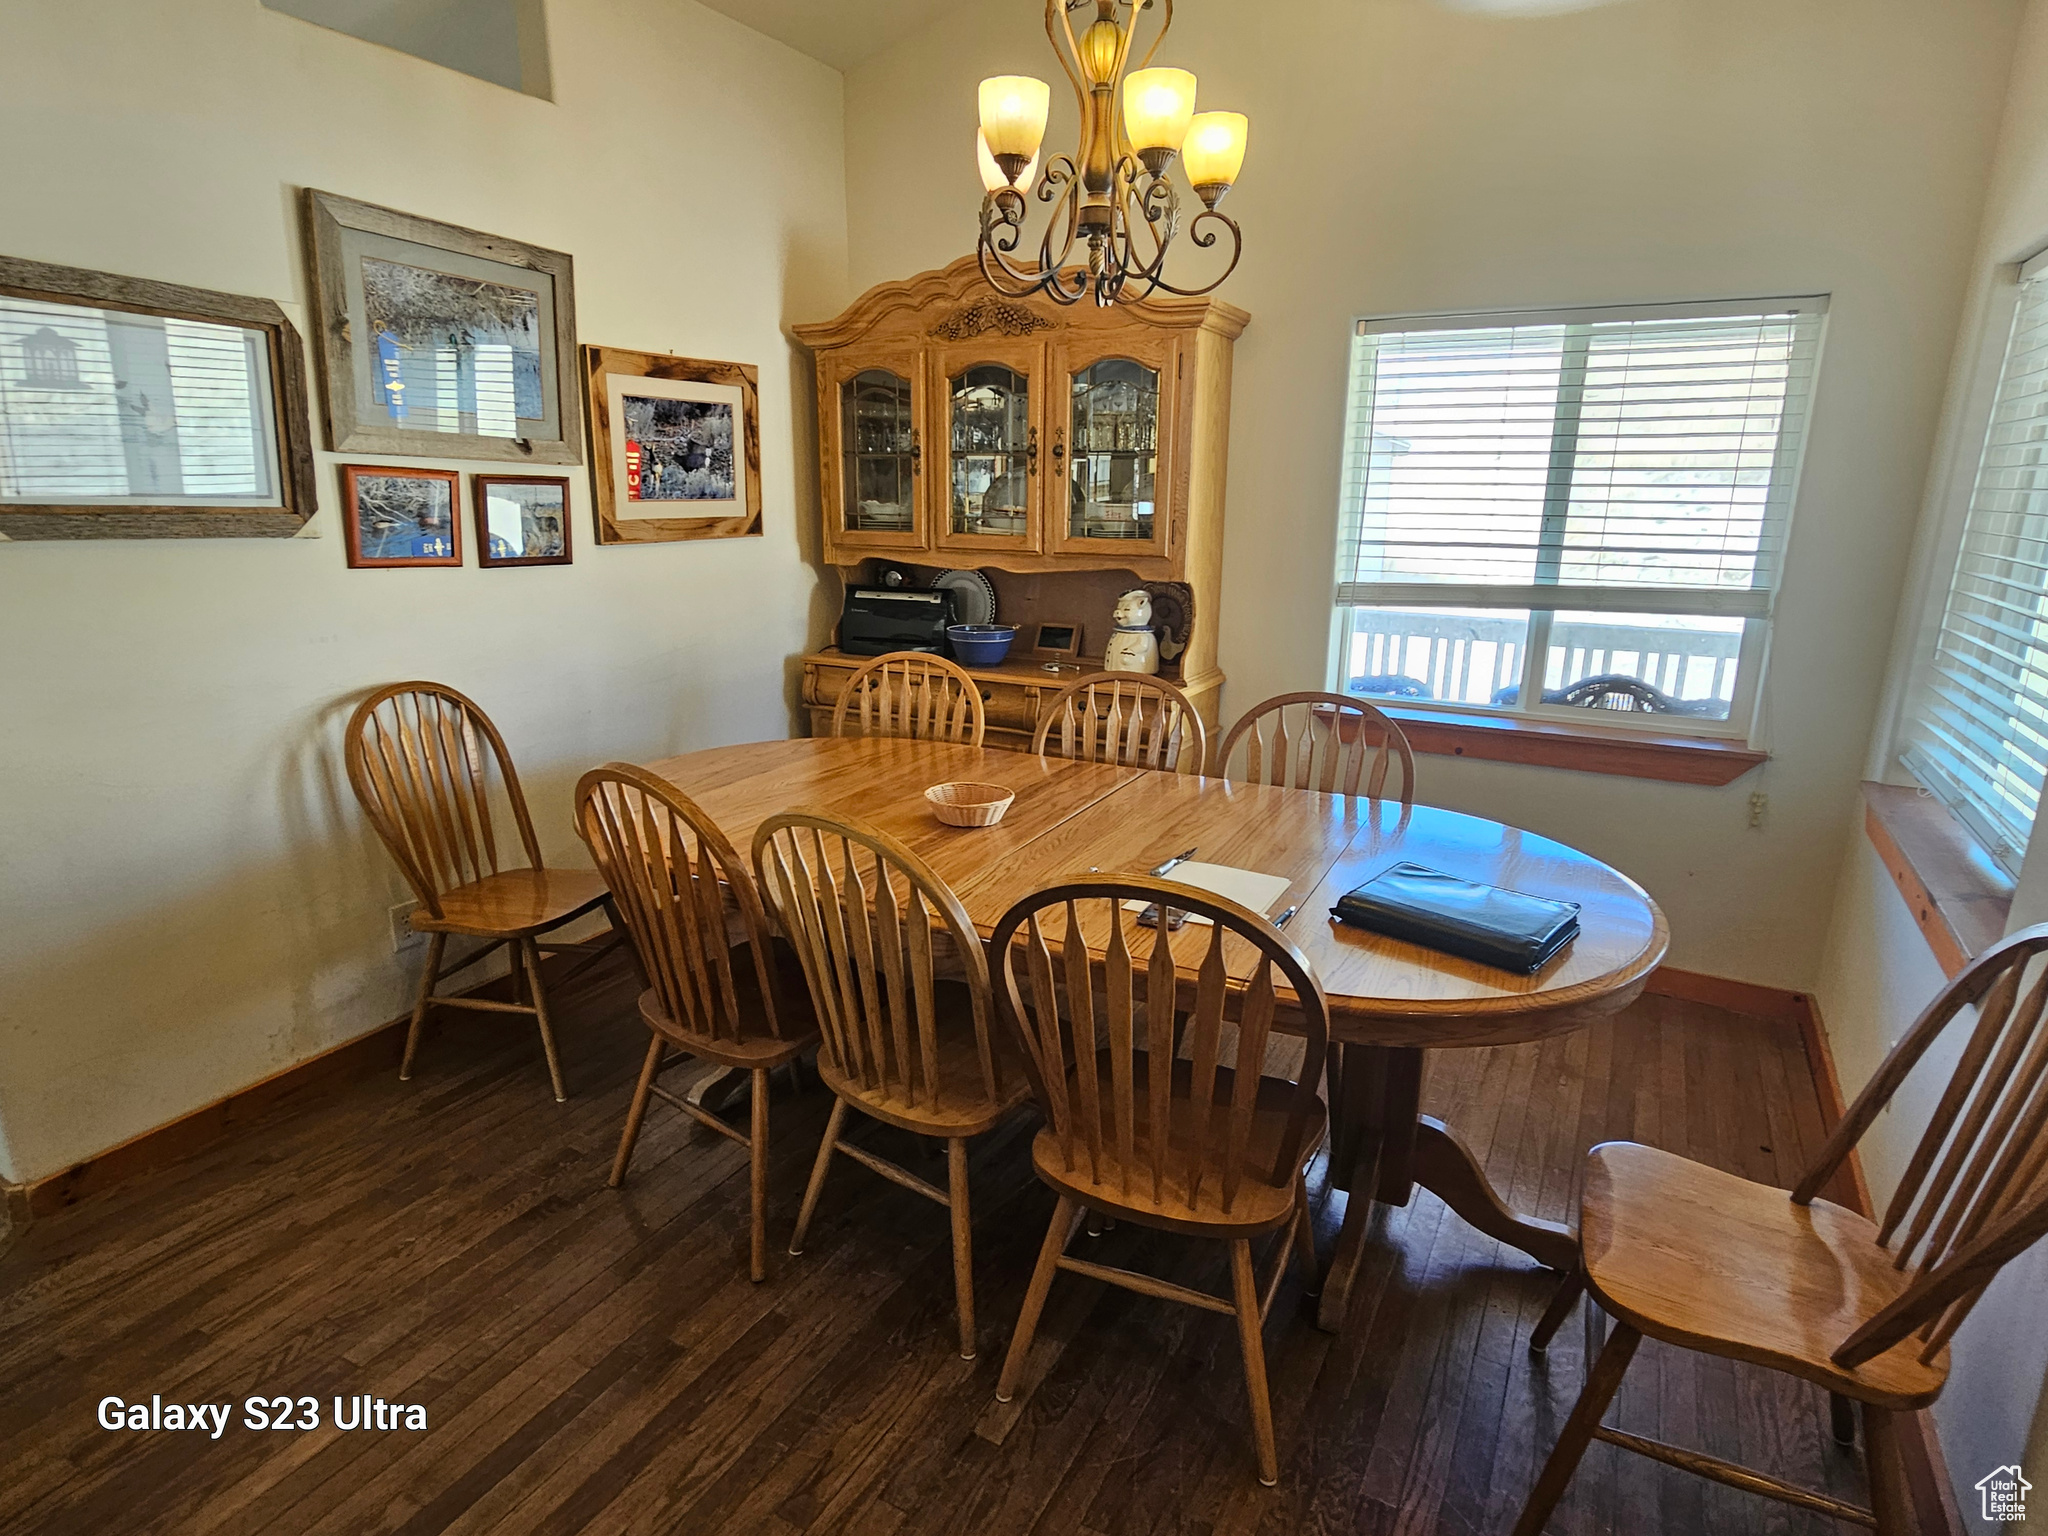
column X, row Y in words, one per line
column 1759, row 802
column 403, row 935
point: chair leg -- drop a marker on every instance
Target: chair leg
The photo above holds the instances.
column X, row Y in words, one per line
column 1601, row 1384
column 1244, row 1287
column 428, row 977
column 540, row 1012
column 757, row 1176
column 1305, row 1240
column 817, row 1184
column 1569, row 1290
column 642, row 1092
column 1841, row 1419
column 1057, row 1236
column 1891, row 1500
column 963, row 1242
column 517, row 955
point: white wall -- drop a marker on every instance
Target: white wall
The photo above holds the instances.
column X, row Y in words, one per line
column 191, row 901
column 1877, row 974
column 1408, row 158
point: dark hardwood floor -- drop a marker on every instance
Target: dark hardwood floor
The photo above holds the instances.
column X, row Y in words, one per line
column 592, row 1360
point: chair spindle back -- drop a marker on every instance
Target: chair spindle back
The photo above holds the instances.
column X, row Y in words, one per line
column 420, row 759
column 1148, row 1012
column 1975, row 1192
column 865, row 916
column 1321, row 741
column 912, row 694
column 670, row 869
column 1123, row 717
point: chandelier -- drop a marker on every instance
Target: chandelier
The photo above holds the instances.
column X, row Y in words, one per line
column 1114, row 195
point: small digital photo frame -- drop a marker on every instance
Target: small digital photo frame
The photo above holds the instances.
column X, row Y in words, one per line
column 1057, row 640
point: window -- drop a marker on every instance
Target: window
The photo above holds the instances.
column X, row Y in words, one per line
column 1551, row 513
column 1977, row 723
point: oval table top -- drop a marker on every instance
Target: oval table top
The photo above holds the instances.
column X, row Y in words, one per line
column 1069, row 817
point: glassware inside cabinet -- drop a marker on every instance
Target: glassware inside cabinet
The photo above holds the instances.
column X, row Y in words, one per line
column 878, row 442
column 991, row 412
column 1115, row 452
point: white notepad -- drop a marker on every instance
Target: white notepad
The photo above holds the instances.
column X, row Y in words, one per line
column 1246, row 887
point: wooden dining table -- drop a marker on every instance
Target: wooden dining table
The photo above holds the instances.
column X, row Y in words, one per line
column 1389, row 1002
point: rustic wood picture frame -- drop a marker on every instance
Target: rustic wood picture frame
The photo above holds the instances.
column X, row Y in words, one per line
column 291, row 423
column 330, row 219
column 480, row 485
column 601, row 364
column 352, row 476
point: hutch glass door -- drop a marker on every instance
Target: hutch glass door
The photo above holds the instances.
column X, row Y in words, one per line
column 1116, row 471
column 880, row 457
column 991, row 484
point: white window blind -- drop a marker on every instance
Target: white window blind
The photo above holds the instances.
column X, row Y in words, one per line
column 1613, row 460
column 1977, row 732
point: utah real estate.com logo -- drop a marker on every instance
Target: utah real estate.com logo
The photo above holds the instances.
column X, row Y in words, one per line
column 2005, row 1494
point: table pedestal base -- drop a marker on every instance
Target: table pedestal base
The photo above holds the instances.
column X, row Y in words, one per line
column 1383, row 1146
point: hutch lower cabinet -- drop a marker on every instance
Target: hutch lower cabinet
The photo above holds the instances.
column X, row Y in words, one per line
column 961, row 429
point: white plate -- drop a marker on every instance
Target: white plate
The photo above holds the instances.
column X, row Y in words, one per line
column 974, row 598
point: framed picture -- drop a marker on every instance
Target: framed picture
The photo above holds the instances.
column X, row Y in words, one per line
column 1057, row 640
column 521, row 519
column 675, row 446
column 400, row 516
column 138, row 410
column 441, row 342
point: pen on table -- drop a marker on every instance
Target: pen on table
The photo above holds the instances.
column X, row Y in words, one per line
column 1178, row 858
column 1281, row 920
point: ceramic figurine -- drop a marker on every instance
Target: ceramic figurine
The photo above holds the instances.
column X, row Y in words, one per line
column 1133, row 647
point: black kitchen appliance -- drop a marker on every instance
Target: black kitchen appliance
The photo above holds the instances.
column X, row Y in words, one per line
column 877, row 620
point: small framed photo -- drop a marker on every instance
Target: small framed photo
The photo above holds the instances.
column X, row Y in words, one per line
column 400, row 516
column 675, row 446
column 1057, row 640
column 521, row 519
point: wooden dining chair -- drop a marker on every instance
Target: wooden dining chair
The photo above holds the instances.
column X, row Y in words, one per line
column 1165, row 1124
column 1123, row 717
column 1329, row 742
column 683, row 892
column 1709, row 1261
column 913, row 694
column 426, row 764
column 903, row 1043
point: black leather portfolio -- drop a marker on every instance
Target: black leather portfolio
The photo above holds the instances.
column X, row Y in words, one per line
column 1475, row 922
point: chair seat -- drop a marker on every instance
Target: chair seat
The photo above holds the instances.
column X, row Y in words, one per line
column 1257, row 1206
column 515, row 901
column 1710, row 1261
column 962, row 1106
column 799, row 1025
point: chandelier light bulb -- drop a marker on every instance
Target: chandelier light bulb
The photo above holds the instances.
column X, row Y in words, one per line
column 1158, row 106
column 992, row 176
column 1013, row 110
column 1213, row 153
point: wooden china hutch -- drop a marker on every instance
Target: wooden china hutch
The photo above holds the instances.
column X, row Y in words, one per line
column 1067, row 453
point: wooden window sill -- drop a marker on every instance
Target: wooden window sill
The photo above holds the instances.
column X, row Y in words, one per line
column 1554, row 744
column 1957, row 895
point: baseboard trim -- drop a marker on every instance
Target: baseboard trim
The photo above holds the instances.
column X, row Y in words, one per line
column 378, row 1050
column 210, row 1124
column 1736, row 996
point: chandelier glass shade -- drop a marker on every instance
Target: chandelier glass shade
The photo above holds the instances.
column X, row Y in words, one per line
column 1114, row 210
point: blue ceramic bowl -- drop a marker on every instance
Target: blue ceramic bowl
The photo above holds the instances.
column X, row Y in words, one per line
column 980, row 645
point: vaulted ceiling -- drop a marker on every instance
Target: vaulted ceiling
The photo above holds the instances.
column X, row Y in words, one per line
column 840, row 32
